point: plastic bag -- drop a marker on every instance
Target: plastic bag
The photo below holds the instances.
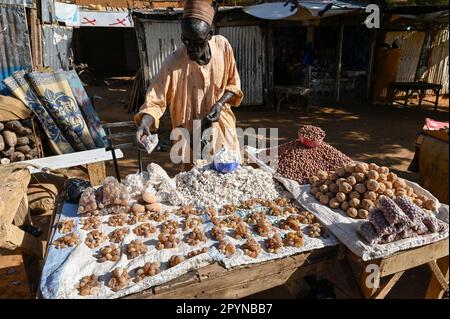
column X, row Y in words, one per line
column 73, row 188
column 157, row 174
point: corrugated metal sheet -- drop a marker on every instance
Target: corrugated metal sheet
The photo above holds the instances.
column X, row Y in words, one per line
column 249, row 51
column 48, row 11
column 438, row 64
column 161, row 39
column 26, row 3
column 15, row 53
column 57, row 43
column 411, row 45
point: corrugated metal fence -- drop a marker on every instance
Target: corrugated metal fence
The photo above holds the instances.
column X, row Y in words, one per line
column 438, row 70
column 411, row 43
column 161, row 39
column 14, row 42
column 26, row 3
column 57, row 43
column 248, row 47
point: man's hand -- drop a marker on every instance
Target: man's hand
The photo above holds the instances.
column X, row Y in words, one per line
column 214, row 115
column 144, row 130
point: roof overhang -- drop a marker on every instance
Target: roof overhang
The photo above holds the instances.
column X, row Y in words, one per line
column 304, row 10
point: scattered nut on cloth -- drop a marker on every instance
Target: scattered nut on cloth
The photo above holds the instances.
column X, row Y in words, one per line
column 65, row 268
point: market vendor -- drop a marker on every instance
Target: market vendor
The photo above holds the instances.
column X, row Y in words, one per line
column 199, row 80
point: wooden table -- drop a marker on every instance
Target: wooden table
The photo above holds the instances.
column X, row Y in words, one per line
column 14, row 179
column 436, row 255
column 215, row 281
column 413, row 87
column 282, row 93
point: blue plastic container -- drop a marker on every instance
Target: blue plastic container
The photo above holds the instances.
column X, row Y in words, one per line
column 225, row 167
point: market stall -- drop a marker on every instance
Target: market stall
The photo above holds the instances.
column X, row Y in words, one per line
column 383, row 220
column 173, row 238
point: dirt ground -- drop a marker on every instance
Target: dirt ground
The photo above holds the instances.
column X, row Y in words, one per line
column 371, row 133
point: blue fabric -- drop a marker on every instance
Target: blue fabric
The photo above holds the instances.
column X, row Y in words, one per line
column 55, row 259
column 83, row 100
column 21, row 89
column 5, row 73
column 55, row 93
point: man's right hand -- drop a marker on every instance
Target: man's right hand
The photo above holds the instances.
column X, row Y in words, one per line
column 144, row 130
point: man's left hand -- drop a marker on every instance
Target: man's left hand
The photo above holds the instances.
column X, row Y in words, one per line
column 214, row 115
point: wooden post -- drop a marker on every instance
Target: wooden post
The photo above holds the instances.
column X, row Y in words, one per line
column 339, row 63
column 97, row 173
column 269, row 55
column 36, row 39
column 310, row 39
column 435, row 287
column 370, row 66
column 370, row 276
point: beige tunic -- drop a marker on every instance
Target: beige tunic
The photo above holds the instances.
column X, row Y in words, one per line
column 191, row 90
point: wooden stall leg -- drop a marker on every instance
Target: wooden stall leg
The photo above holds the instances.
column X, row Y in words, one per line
column 437, row 92
column 384, row 290
column 33, row 270
column 278, row 97
column 421, row 95
column 97, row 173
column 347, row 271
column 369, row 279
column 439, row 278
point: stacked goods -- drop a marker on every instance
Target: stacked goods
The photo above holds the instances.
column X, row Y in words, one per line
column 88, row 285
column 208, row 188
column 398, row 219
column 354, row 188
column 149, row 269
column 311, row 135
column 245, row 217
column 298, row 161
column 18, row 141
column 113, row 198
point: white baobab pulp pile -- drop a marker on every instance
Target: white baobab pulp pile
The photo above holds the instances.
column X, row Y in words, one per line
column 226, row 156
column 205, row 187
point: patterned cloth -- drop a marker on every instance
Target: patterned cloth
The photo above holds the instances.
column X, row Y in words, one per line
column 22, row 90
column 86, row 107
column 56, row 95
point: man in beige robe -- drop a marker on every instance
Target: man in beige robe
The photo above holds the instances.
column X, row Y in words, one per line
column 199, row 80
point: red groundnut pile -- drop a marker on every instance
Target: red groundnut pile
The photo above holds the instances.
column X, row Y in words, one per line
column 299, row 162
column 312, row 133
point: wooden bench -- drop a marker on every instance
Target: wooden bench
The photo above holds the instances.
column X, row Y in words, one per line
column 94, row 159
column 413, row 87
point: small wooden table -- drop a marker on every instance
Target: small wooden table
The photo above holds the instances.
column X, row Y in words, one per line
column 282, row 93
column 413, row 87
column 436, row 255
